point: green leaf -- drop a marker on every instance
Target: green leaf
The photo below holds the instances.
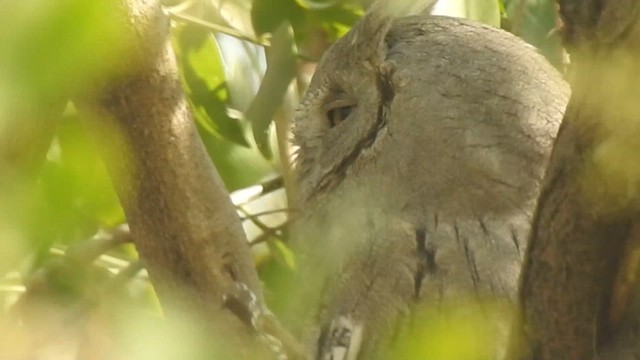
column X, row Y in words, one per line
column 238, row 166
column 336, row 21
column 281, row 69
column 312, row 21
column 74, row 195
column 267, row 15
column 86, row 181
column 282, row 254
column 464, row 329
column 203, row 79
column 503, row 9
column 54, row 47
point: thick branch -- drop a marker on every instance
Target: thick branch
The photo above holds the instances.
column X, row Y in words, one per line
column 181, row 218
column 575, row 288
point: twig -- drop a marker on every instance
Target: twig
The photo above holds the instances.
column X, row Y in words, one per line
column 174, row 15
column 263, row 213
column 87, row 251
column 123, row 276
column 217, row 28
column 255, row 220
column 266, row 187
column 266, row 235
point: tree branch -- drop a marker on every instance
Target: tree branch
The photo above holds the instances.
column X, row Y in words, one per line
column 181, row 217
column 574, row 285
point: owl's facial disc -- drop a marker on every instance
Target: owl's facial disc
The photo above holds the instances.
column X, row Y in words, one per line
column 347, row 121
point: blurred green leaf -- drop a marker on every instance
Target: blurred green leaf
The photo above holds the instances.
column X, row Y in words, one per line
column 316, row 24
column 267, row 15
column 238, row 166
column 203, row 76
column 203, row 79
column 278, row 275
column 282, row 254
column 281, row 69
column 74, row 195
column 92, row 191
column 503, row 9
column 337, row 20
column 461, row 329
column 51, row 47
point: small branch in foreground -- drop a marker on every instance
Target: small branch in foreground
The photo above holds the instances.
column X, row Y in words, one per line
column 270, row 232
column 174, row 15
column 105, row 240
column 185, row 227
column 217, row 28
column 579, row 277
column 124, row 276
column 258, row 214
column 257, row 191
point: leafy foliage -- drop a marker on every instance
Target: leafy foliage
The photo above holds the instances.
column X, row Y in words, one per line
column 203, row 80
column 236, row 82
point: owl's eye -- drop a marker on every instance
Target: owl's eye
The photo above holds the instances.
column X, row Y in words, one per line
column 338, row 114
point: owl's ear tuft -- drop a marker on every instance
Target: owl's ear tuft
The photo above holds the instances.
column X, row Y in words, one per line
column 371, row 31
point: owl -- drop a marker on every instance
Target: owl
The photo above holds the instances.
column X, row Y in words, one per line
column 421, row 145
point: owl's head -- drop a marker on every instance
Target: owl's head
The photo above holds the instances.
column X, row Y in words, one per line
column 429, row 111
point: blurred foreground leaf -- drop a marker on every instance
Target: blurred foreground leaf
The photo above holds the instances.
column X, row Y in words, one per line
column 456, row 330
column 74, row 195
column 316, row 24
column 52, row 47
column 281, row 69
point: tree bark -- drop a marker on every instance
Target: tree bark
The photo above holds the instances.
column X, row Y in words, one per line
column 580, row 268
column 181, row 217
